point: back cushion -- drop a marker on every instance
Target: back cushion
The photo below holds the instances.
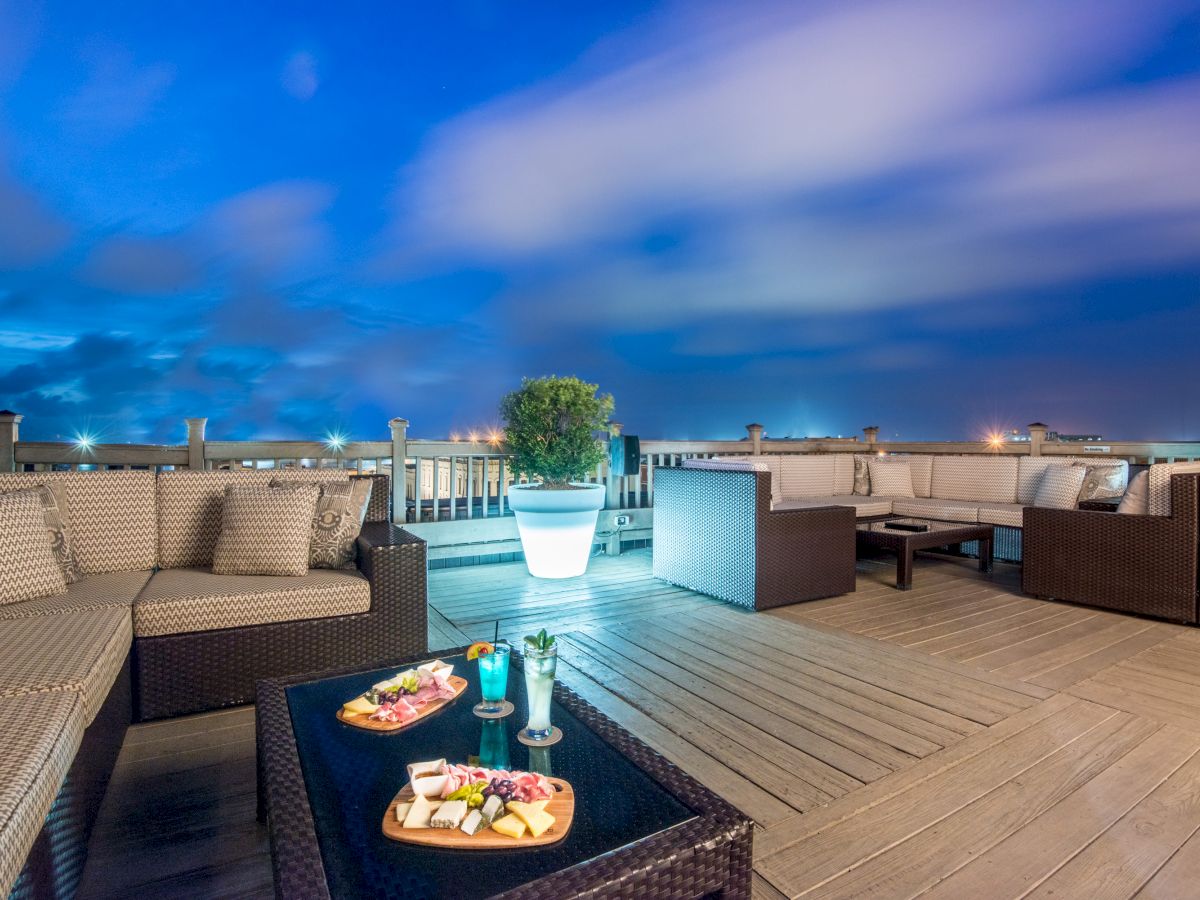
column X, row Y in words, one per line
column 843, row 474
column 1031, row 468
column 113, row 522
column 753, row 463
column 190, row 504
column 807, row 476
column 990, row 479
column 1160, row 484
column 922, row 474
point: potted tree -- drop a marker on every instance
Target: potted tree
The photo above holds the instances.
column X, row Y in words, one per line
column 550, row 430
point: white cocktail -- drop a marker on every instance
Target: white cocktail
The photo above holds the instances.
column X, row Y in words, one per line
column 540, row 666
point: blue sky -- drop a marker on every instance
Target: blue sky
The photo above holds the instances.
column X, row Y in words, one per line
column 939, row 217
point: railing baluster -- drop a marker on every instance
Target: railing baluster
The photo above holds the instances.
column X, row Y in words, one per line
column 416, row 488
column 453, row 487
column 470, row 487
column 485, row 482
column 500, row 487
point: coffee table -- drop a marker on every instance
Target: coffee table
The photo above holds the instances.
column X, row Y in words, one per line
column 882, row 534
column 642, row 826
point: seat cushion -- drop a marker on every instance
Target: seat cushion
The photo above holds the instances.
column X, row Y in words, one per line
column 178, row 601
column 110, row 589
column 811, row 475
column 988, row 478
column 82, row 652
column 266, row 530
column 190, row 505
column 936, row 508
column 863, row 506
column 28, row 568
column 39, row 737
column 1007, row 514
column 890, row 478
column 1059, row 487
column 114, row 525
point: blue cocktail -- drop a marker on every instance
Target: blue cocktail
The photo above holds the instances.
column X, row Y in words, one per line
column 493, row 678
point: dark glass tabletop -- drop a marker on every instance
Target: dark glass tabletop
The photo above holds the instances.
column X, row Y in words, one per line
column 932, row 526
column 351, row 776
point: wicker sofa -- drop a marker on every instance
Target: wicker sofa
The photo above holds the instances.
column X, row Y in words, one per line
column 149, row 633
column 993, row 490
column 1139, row 563
column 715, row 532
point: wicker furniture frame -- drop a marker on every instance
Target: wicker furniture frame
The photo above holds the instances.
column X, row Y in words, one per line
column 715, row 532
column 905, row 543
column 1133, row 563
column 708, row 856
column 186, row 673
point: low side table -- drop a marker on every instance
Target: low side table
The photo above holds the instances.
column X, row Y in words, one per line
column 905, row 543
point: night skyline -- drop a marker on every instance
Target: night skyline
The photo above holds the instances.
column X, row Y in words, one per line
column 941, row 218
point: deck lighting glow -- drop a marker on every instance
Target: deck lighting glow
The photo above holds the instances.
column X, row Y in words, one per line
column 995, row 439
column 335, row 441
column 473, row 437
column 495, row 437
column 84, row 442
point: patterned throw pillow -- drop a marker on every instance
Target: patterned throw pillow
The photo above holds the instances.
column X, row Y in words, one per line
column 58, row 527
column 341, row 509
column 1059, row 487
column 891, row 478
column 28, row 568
column 265, row 531
column 862, row 477
column 1101, row 482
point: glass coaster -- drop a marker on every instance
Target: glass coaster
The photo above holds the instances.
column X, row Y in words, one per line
column 506, row 709
column 553, row 737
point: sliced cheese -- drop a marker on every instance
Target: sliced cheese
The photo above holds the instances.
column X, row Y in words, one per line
column 535, row 819
column 419, row 813
column 510, row 825
column 402, row 811
column 359, row 706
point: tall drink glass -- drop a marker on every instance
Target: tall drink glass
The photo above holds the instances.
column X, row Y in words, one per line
column 493, row 678
column 540, row 666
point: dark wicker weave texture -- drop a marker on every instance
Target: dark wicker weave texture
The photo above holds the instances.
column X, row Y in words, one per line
column 715, row 532
column 379, row 508
column 185, row 673
column 706, row 856
column 1133, row 563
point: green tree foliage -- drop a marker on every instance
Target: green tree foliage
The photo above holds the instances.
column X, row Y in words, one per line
column 550, row 428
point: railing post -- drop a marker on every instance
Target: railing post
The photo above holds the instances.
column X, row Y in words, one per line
column 195, row 429
column 1037, row 434
column 10, row 425
column 399, row 470
column 872, row 434
column 755, row 431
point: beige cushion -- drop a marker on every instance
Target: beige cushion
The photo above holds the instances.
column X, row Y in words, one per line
column 1159, row 484
column 178, row 601
column 863, row 506
column 341, row 510
column 809, row 475
column 890, row 478
column 190, row 505
column 39, row 737
column 922, row 473
column 103, row 591
column 862, row 477
column 28, row 568
column 58, row 529
column 81, row 652
column 1009, row 514
column 935, row 508
column 1059, row 487
column 1031, row 468
column 843, row 473
column 1103, row 480
column 1137, row 498
column 113, row 517
column 265, row 530
column 992, row 479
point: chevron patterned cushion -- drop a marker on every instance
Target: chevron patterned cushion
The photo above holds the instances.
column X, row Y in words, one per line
column 179, row 601
column 265, row 530
column 39, row 737
column 101, row 591
column 890, row 478
column 1059, row 487
column 28, row 568
column 341, row 509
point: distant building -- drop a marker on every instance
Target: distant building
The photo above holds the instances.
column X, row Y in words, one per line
column 1064, row 438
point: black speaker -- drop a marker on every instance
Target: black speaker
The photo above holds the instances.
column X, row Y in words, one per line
column 624, row 455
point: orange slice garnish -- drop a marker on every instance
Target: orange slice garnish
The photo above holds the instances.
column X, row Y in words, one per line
column 480, row 648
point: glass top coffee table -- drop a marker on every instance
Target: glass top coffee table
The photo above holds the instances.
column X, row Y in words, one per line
column 905, row 536
column 325, row 786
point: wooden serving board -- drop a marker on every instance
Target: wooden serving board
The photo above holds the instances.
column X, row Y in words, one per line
column 561, row 806
column 369, row 724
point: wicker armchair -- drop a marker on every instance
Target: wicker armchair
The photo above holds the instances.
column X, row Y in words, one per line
column 715, row 532
column 1133, row 563
column 193, row 671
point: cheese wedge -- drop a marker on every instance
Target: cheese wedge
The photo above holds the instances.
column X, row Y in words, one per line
column 509, row 825
column 402, row 811
column 359, row 706
column 419, row 813
column 536, row 820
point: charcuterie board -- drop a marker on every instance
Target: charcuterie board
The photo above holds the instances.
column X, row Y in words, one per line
column 404, row 699
column 459, row 685
column 561, row 806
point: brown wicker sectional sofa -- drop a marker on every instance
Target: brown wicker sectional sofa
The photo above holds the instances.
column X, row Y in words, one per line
column 149, row 633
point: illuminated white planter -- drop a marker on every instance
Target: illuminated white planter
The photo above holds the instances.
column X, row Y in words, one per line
column 557, row 527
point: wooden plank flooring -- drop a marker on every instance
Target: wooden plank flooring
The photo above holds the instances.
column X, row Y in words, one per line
column 957, row 740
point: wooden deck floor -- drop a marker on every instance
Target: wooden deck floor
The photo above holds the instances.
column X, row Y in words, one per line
column 958, row 740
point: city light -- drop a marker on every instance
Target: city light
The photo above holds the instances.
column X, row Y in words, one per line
column 84, row 442
column 335, row 441
column 473, row 437
column 495, row 437
column 995, row 439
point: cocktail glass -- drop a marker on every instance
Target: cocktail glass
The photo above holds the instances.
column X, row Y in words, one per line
column 493, row 678
column 540, row 666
